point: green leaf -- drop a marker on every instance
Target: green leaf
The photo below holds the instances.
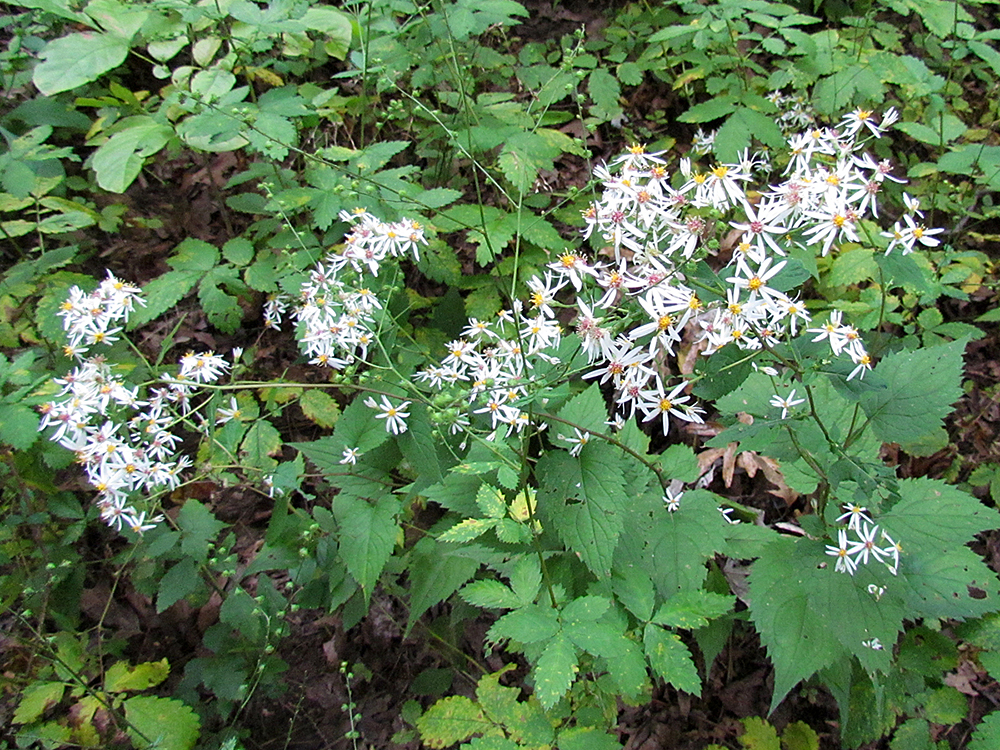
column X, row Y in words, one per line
column 238, row 251
column 933, row 523
column 490, row 595
column 530, row 624
column 261, row 442
column 591, row 527
column 122, row 676
column 799, row 736
column 356, row 428
column 758, row 734
column 712, row 109
column 35, row 699
column 693, row 609
column 182, row 579
column 587, row 738
column 467, row 530
column 555, row 671
column 194, row 255
column 585, row 609
column 120, row 159
column 491, row 502
column 198, row 527
column 604, row 91
column 223, row 310
column 526, row 579
column 368, row 534
column 634, row 589
column 166, row 723
column 18, row 426
column 76, row 59
column 162, row 294
column 450, row 720
column 320, row 407
column 585, row 411
column 913, row 392
column 742, row 126
column 986, row 735
column 671, row 659
column 597, row 638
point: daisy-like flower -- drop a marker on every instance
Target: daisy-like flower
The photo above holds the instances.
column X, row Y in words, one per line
column 223, row 415
column 845, row 563
column 203, row 368
column 672, row 500
column 577, row 440
column 394, row 416
column 350, row 456
column 786, row 403
column 865, row 545
column 854, row 514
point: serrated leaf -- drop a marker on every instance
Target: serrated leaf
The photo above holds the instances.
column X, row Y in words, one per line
column 194, row 255
column 693, row 609
column 320, row 407
column 585, row 609
column 262, row 441
column 555, row 671
column 596, row 638
column 530, row 624
column 671, row 659
column 587, row 738
column 163, row 723
column 518, row 169
column 355, row 429
column 18, row 426
column 223, row 310
column 450, row 720
column 122, row 676
column 162, row 294
column 491, row 502
column 585, row 411
column 914, row 392
column 986, row 735
column 35, row 699
column 176, row 583
column 526, row 579
column 238, row 251
column 490, row 595
column 467, row 530
column 198, row 527
column 368, row 534
column 740, row 128
column 758, row 734
column 634, row 589
column 799, row 736
column 604, row 91
column 591, row 528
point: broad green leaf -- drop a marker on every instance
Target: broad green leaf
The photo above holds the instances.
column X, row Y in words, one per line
column 555, row 671
column 168, row 724
column 913, row 392
column 356, row 428
column 586, row 411
column 491, row 502
column 712, row 109
column 239, row 251
column 120, row 159
column 758, row 734
column 76, row 59
column 182, row 579
column 162, row 294
column 368, row 534
column 450, row 720
column 320, row 407
column 986, row 735
column 587, row 738
column 585, row 609
column 223, row 309
column 18, row 426
column 530, row 624
column 198, row 527
column 693, row 609
column 262, row 441
column 524, row 721
column 799, row 736
column 596, row 638
column 122, row 676
column 740, row 128
column 671, row 659
column 592, row 526
column 194, row 255
column 526, row 579
column 634, row 588
column 35, row 699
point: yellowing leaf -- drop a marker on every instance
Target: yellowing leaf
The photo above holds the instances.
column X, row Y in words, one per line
column 453, row 719
column 320, row 407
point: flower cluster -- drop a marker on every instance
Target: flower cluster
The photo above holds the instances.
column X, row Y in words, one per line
column 94, row 318
column 493, row 362
column 335, row 310
column 122, row 437
column 851, row 553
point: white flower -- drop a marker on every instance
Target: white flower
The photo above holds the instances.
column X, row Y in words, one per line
column 394, row 416
column 854, row 514
column 786, row 403
column 845, row 563
column 350, row 456
column 578, row 440
column 223, row 415
column 672, row 501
